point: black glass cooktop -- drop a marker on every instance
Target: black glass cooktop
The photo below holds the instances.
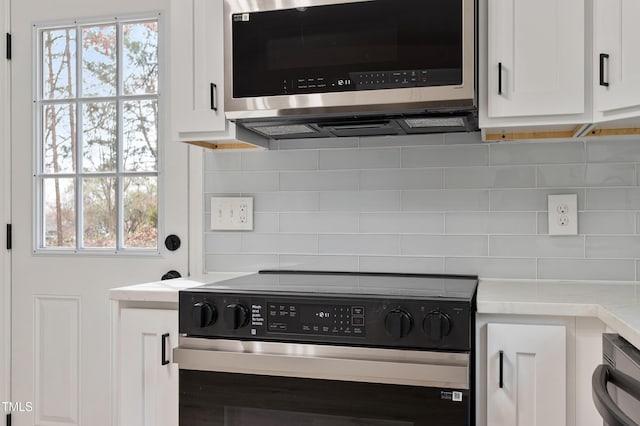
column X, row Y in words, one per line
column 344, row 284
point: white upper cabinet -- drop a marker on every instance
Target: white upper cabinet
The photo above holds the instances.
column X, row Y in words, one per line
column 536, row 63
column 197, row 69
column 616, row 59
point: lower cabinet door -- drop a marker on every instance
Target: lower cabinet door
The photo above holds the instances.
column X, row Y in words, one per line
column 526, row 375
column 148, row 380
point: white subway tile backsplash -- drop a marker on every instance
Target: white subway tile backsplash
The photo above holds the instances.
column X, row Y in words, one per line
column 402, row 264
column 613, row 199
column 279, row 243
column 613, row 151
column 459, row 138
column 587, row 175
column 402, row 223
column 446, row 156
column 492, row 267
column 274, row 160
column 445, row 200
column 222, row 182
column 303, row 262
column 360, row 158
column 430, row 204
column 444, row 245
column 406, row 140
column 319, row 222
column 513, row 153
column 529, row 199
column 359, row 244
column 240, row 262
column 223, row 242
column 536, row 246
column 613, row 247
column 319, row 181
column 285, row 201
column 490, row 223
column 586, row 269
column 606, row 223
column 265, row 222
column 597, row 223
column 317, row 143
column 221, row 161
column 361, row 201
column 490, row 177
column 402, row 179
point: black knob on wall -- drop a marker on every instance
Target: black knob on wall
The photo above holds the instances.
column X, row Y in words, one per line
column 203, row 314
column 171, row 275
column 398, row 323
column 235, row 316
column 436, row 325
column 172, row 242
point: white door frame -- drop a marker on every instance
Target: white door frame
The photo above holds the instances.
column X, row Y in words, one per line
column 5, row 213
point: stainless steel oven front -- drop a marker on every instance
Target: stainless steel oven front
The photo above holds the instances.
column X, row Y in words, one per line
column 321, row 348
column 239, row 383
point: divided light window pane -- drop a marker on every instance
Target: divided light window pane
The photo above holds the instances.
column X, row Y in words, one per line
column 97, row 174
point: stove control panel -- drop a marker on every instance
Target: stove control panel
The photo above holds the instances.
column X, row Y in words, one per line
column 368, row 321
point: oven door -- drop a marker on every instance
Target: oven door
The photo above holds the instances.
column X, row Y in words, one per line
column 235, row 383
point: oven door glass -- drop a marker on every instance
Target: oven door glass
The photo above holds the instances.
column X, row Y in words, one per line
column 351, row 46
column 229, row 399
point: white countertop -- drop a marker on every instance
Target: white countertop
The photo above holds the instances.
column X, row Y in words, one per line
column 167, row 290
column 615, row 304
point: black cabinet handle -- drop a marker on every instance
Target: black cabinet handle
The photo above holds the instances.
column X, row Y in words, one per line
column 603, row 56
column 165, row 337
column 501, row 369
column 214, row 95
column 606, row 406
column 499, row 78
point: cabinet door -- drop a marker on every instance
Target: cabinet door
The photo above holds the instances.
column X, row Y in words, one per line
column 616, row 58
column 535, row 57
column 197, row 67
column 533, row 372
column 148, row 390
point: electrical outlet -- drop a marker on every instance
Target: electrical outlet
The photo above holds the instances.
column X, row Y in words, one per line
column 231, row 213
column 563, row 214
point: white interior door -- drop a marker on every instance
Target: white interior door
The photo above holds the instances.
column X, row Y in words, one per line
column 60, row 322
column 5, row 192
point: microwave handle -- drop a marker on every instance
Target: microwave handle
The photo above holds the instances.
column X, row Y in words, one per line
column 499, row 78
column 213, row 88
column 610, row 412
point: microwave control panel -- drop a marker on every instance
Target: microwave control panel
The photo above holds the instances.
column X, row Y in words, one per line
column 372, row 80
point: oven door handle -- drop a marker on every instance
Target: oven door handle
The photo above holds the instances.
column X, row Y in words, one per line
column 608, row 409
column 437, row 372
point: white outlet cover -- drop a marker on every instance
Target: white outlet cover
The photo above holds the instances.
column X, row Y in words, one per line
column 563, row 214
column 231, row 213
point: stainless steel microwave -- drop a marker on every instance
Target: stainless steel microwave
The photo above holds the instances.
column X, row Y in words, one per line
column 291, row 58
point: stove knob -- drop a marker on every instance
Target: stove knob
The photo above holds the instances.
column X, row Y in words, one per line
column 436, row 325
column 398, row 323
column 235, row 316
column 203, row 314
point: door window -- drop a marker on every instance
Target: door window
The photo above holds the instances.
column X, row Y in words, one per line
column 97, row 136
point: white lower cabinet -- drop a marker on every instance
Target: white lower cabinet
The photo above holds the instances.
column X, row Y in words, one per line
column 147, row 379
column 526, row 374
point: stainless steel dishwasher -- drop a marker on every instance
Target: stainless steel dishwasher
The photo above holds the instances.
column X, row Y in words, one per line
column 616, row 383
